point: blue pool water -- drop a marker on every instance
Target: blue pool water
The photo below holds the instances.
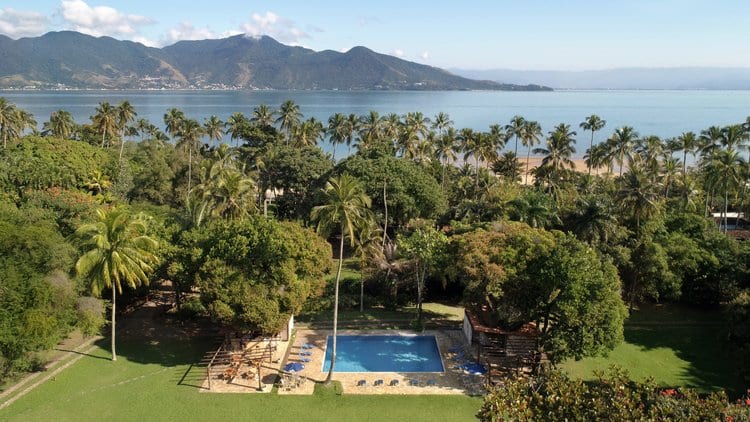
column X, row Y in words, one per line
column 384, row 354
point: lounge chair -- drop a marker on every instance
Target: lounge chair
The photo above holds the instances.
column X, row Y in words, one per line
column 307, row 353
column 394, row 383
column 304, row 359
column 378, row 383
column 414, row 382
column 306, row 346
column 362, row 383
column 431, row 383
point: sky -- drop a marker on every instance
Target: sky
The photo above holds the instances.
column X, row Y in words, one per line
column 469, row 34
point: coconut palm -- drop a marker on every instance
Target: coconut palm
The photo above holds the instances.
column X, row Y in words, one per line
column 651, row 149
column 623, row 142
column 513, row 129
column 508, row 167
column 592, row 123
column 594, row 220
column 445, row 151
column 125, row 113
column 442, row 122
column 173, row 120
column 346, row 206
column 534, row 208
column 309, row 132
column 8, row 120
column 289, row 118
column 418, row 122
column 337, row 125
column 531, row 133
column 637, row 195
column 60, row 125
column 117, row 251
column 560, row 148
column 370, row 128
column 351, row 129
column 236, row 125
column 262, row 116
column 596, row 156
column 709, row 140
column 725, row 167
column 733, row 137
column 214, row 128
column 190, row 134
column 105, row 120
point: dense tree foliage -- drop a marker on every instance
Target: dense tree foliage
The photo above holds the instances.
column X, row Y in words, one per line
column 253, row 274
column 523, row 274
column 613, row 396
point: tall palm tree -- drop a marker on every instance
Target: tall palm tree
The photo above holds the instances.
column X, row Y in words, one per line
column 125, row 114
column 351, row 129
column 173, row 120
column 442, row 122
column 418, row 122
column 60, row 124
column 337, row 124
column 214, row 128
column 531, row 134
column 105, row 120
column 345, row 205
column 24, row 120
column 726, row 167
column 8, row 119
column 370, row 128
column 560, row 148
column 734, row 137
column 445, row 151
column 513, row 129
column 289, row 118
column 687, row 142
column 470, row 147
column 594, row 220
column 651, row 149
column 596, row 156
column 262, row 116
column 190, row 134
column 623, row 144
column 117, row 251
column 309, row 132
column 637, row 194
column 592, row 123
column 709, row 140
column 236, row 125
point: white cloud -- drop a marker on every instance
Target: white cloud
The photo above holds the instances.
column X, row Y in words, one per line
column 398, row 52
column 186, row 31
column 18, row 23
column 101, row 20
column 275, row 26
column 425, row 55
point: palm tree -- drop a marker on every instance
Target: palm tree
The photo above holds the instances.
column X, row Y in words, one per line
column 726, row 167
column 289, row 118
column 470, row 148
column 370, row 128
column 190, row 134
column 445, row 151
column 105, row 120
column 531, row 133
column 594, row 220
column 559, row 150
column 508, row 167
column 733, row 137
column 337, row 125
column 8, row 119
column 513, row 129
column 596, row 156
column 351, row 129
column 418, row 123
column 533, row 208
column 236, row 125
column 637, row 194
column 125, row 114
column 344, row 205
column 309, row 132
column 213, row 126
column 60, row 125
column 117, row 251
column 173, row 120
column 442, row 122
column 623, row 144
column 262, row 116
column 709, row 140
column 592, row 123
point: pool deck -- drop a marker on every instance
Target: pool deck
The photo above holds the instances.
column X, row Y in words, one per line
column 452, row 381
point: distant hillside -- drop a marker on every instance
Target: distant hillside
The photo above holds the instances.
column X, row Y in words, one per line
column 74, row 60
column 624, row 78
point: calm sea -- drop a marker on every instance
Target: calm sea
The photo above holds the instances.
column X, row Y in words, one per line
column 662, row 113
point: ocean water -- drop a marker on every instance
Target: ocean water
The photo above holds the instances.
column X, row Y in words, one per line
column 661, row 113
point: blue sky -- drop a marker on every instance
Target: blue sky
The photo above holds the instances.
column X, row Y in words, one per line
column 474, row 34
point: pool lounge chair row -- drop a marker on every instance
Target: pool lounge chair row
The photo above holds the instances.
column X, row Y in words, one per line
column 395, row 383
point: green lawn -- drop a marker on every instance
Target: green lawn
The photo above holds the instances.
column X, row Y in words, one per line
column 677, row 346
column 154, row 381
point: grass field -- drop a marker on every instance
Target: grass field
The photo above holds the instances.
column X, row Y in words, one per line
column 153, row 380
column 676, row 346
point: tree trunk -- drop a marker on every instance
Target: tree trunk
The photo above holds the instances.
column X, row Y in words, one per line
column 190, row 174
column 336, row 309
column 420, row 282
column 385, row 220
column 442, row 175
column 591, row 145
column 122, row 146
column 361, row 294
column 114, row 354
column 528, row 157
column 726, row 205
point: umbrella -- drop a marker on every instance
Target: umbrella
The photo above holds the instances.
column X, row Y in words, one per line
column 294, row 367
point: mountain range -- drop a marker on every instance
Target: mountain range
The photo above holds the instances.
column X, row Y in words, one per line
column 623, row 78
column 69, row 59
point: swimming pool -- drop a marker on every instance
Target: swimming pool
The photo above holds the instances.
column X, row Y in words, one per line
column 384, row 353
